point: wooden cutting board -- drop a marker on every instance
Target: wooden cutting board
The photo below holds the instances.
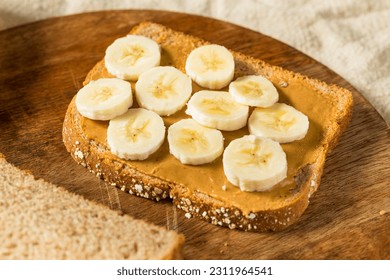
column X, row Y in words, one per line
column 43, row 65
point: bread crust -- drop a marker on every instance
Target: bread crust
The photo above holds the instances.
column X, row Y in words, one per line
column 118, row 173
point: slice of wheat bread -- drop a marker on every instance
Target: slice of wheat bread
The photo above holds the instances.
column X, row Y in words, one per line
column 328, row 107
column 42, row 221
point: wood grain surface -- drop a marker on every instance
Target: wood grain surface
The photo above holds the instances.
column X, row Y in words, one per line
column 43, row 65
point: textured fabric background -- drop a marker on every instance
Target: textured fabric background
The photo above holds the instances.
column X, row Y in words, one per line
column 351, row 37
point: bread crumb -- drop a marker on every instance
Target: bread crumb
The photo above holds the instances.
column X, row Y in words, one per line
column 188, row 215
column 382, row 212
column 138, row 188
column 224, row 188
column 79, row 154
column 158, row 191
column 252, row 216
column 283, row 84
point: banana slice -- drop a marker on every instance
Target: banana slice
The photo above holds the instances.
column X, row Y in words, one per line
column 279, row 122
column 136, row 134
column 192, row 143
column 164, row 90
column 211, row 66
column 104, row 99
column 128, row 57
column 254, row 163
column 217, row 109
column 254, row 90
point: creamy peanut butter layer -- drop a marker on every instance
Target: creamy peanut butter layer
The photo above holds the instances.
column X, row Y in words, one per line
column 210, row 178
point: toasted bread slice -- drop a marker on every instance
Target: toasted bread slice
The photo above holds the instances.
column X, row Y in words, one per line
column 203, row 191
column 43, row 221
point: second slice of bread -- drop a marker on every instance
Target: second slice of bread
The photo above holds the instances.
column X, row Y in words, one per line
column 42, row 221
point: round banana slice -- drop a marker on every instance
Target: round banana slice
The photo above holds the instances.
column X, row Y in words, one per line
column 136, row 134
column 194, row 144
column 279, row 122
column 217, row 109
column 211, row 66
column 254, row 90
column 128, row 57
column 164, row 90
column 104, row 99
column 254, row 163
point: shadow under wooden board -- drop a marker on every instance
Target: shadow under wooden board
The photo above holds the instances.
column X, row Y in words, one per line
column 43, row 65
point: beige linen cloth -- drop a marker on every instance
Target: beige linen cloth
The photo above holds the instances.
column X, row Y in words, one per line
column 351, row 37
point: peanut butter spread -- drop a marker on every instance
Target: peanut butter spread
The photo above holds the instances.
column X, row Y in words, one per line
column 209, row 178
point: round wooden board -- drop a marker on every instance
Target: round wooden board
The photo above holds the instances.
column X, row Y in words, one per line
column 43, row 65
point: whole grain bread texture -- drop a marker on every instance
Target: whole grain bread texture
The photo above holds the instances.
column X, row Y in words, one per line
column 96, row 157
column 42, row 221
